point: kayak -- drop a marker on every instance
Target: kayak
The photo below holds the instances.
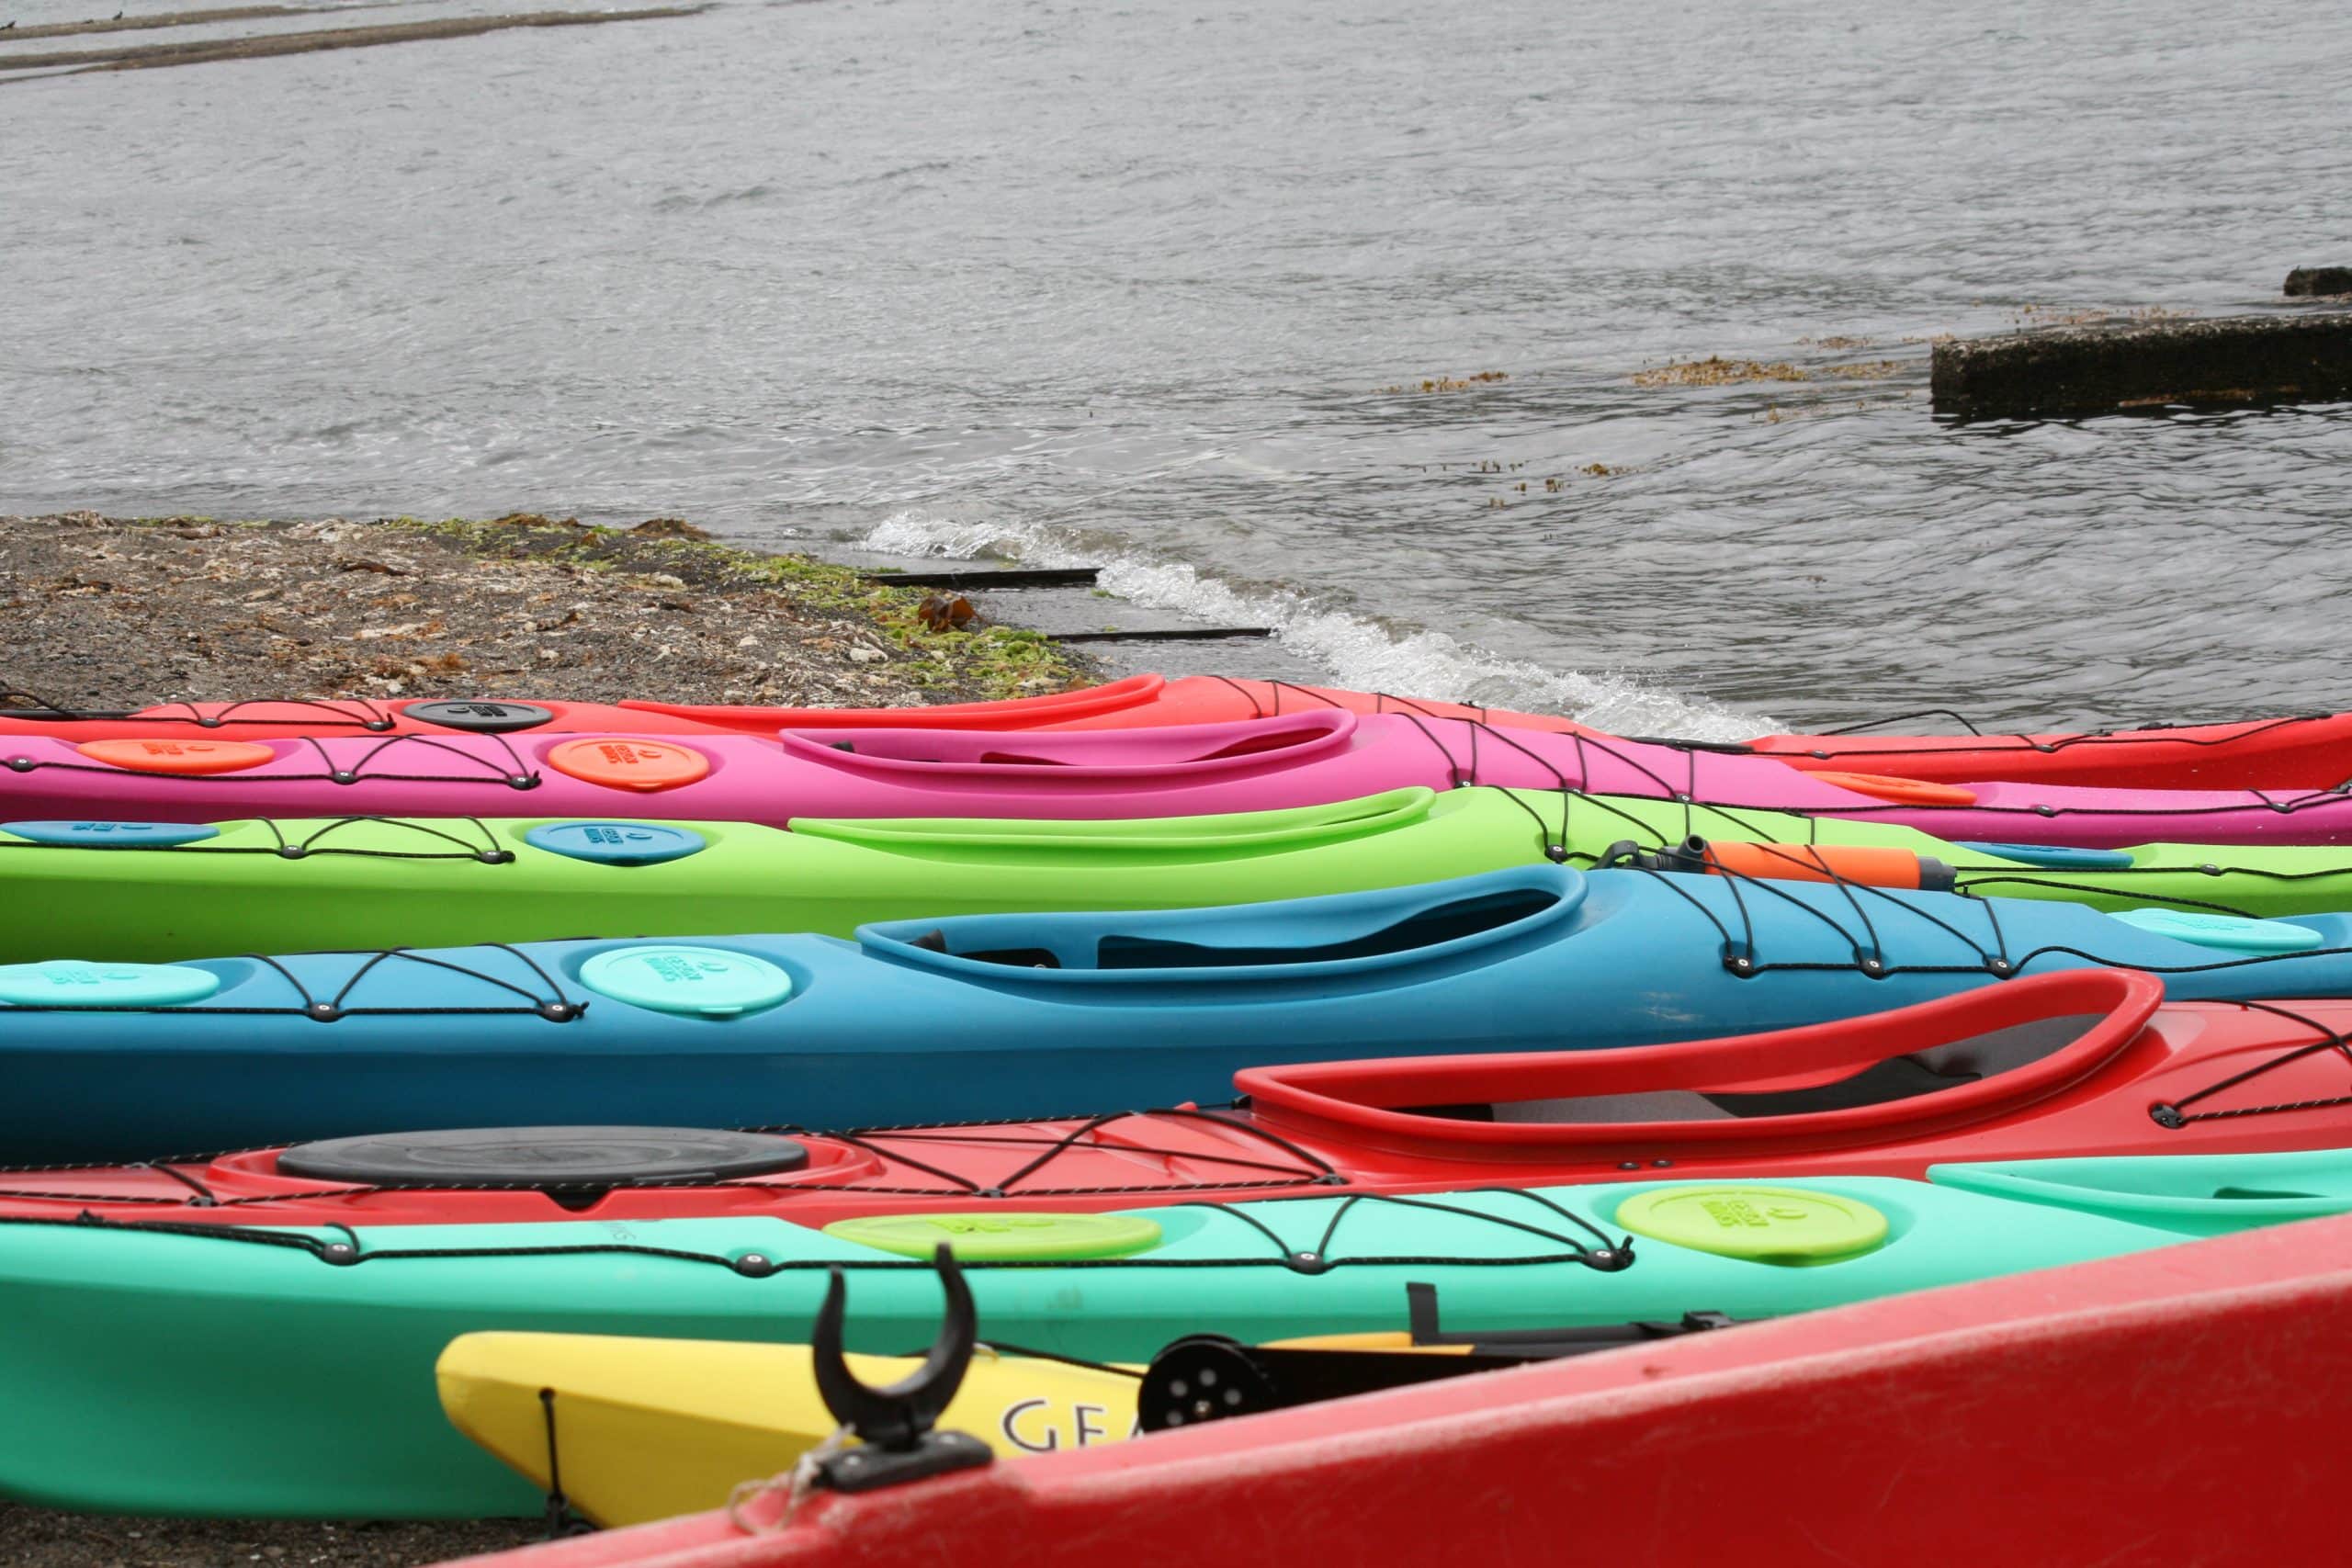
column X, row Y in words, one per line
column 986, row 1016
column 2078, row 1064
column 618, row 1430
column 2302, row 751
column 114, row 1413
column 152, row 891
column 1266, row 764
column 2096, row 1403
column 648, row 1428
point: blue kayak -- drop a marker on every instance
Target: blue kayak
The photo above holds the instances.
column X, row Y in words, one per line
column 988, row 1016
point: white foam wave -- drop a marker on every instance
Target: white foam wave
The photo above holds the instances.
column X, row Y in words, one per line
column 1358, row 652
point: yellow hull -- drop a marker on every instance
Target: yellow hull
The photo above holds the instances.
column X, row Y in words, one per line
column 647, row 1428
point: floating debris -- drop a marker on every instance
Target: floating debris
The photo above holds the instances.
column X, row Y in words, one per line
column 1718, row 371
column 1448, row 383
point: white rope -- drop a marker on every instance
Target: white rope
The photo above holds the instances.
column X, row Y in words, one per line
column 796, row 1484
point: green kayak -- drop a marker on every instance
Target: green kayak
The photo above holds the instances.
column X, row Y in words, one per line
column 246, row 1371
column 157, row 891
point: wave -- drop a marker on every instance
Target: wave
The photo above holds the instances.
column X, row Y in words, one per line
column 1360, row 653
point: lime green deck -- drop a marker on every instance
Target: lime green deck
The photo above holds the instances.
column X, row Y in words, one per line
column 368, row 883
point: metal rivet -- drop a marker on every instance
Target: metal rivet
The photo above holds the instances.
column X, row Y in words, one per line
column 291, row 851
column 344, row 776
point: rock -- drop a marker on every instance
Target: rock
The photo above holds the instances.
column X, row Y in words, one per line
column 669, row 528
column 2306, row 281
column 2099, row 369
column 952, row 613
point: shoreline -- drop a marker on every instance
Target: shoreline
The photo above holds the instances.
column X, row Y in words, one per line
column 112, row 613
column 120, row 612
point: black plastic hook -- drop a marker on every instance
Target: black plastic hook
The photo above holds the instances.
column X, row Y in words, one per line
column 895, row 1424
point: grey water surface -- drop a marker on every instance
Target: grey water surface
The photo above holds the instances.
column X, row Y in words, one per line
column 1158, row 284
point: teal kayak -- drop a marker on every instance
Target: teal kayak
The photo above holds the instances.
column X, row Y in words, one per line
column 248, row 1370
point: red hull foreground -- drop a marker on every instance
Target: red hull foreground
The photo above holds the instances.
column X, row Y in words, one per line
column 2080, row 1062
column 2308, row 752
column 2182, row 1405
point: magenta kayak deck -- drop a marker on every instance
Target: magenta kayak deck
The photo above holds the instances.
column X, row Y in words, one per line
column 1305, row 759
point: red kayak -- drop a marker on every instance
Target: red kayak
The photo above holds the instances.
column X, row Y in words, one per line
column 2184, row 1404
column 2313, row 751
column 2309, row 752
column 2082, row 1063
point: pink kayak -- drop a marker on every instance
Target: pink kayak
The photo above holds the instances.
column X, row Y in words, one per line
column 1309, row 759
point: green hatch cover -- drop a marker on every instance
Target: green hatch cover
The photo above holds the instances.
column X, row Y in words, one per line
column 1002, row 1237
column 1791, row 1226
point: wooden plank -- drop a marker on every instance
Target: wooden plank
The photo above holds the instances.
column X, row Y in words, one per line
column 980, row 579
column 1171, row 634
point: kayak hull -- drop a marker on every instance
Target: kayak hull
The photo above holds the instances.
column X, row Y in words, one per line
column 2237, row 1081
column 114, row 1414
column 1314, row 758
column 2036, row 1390
column 990, row 1016
column 2307, row 751
column 650, row 1428
column 436, row 882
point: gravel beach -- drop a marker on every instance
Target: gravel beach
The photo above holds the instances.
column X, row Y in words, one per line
column 105, row 613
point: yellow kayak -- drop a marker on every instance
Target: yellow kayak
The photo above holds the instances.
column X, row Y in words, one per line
column 632, row 1429
column 648, row 1428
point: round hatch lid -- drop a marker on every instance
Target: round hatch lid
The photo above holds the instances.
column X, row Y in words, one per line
column 545, row 1158
column 479, row 717
column 703, row 982
column 1013, row 1238
column 186, row 759
column 642, row 765
column 617, row 843
column 112, row 835
column 75, row 983
column 2231, row 933
column 1791, row 1226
